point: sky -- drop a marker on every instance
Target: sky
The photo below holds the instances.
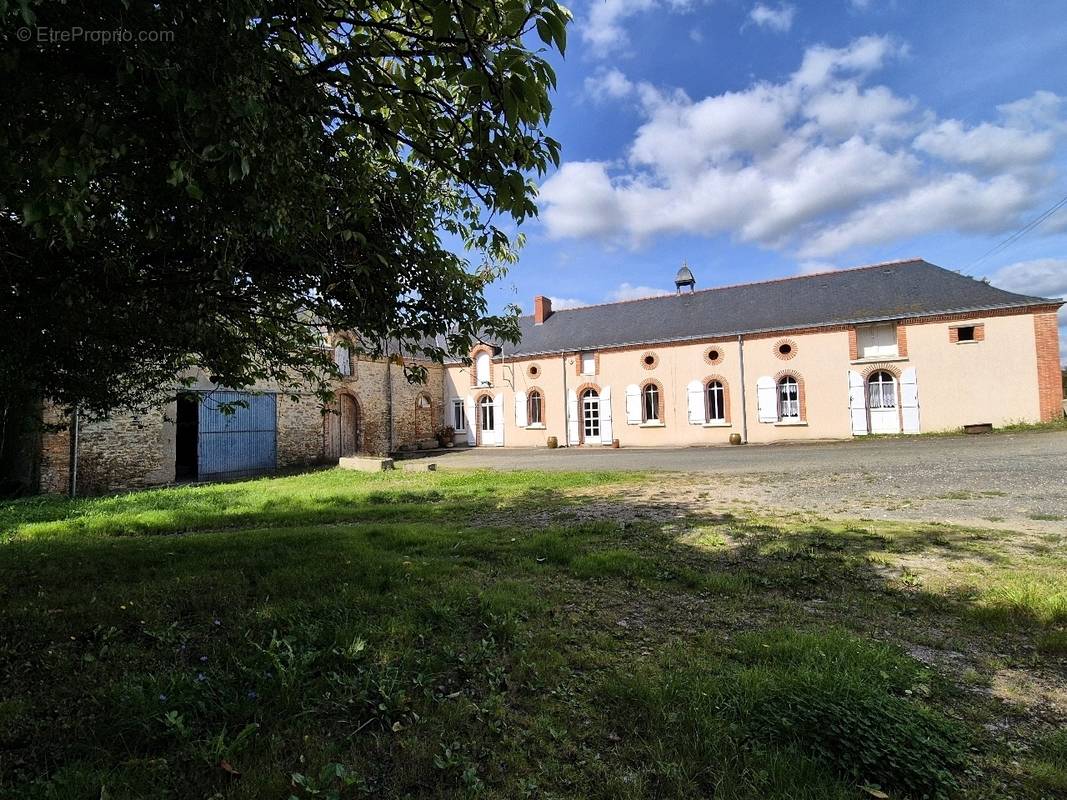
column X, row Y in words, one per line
column 756, row 140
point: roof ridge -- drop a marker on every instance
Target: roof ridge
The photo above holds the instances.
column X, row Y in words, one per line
column 737, row 285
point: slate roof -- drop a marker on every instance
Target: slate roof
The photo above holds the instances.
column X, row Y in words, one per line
column 893, row 290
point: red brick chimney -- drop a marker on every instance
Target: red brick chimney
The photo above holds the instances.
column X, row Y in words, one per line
column 542, row 309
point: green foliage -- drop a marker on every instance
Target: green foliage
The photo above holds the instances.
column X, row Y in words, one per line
column 213, row 190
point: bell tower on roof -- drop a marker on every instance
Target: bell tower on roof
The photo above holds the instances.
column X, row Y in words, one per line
column 685, row 278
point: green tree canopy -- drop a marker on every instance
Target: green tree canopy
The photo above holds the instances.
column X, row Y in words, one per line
column 209, row 183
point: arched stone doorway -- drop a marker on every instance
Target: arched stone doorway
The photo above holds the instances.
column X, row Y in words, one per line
column 343, row 428
column 349, row 424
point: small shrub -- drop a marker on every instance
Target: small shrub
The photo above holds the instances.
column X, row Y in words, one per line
column 1041, row 601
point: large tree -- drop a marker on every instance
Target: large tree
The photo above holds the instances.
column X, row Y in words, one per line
column 209, row 183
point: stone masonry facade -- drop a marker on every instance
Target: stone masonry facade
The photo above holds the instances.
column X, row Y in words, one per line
column 134, row 451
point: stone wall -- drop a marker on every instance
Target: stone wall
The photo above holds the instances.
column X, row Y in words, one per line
column 390, row 415
column 300, row 431
column 128, row 451
column 132, row 451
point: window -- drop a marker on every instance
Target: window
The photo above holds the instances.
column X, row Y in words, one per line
column 650, row 403
column 588, row 363
column 591, row 414
column 788, row 398
column 533, row 408
column 459, row 416
column 533, row 371
column 343, row 359
column 965, row 333
column 715, row 402
column 485, row 410
column 482, row 370
column 881, row 391
column 877, row 341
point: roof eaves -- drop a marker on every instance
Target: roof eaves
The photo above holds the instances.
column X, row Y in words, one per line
column 1037, row 301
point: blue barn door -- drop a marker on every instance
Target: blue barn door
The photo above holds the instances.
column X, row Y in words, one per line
column 239, row 444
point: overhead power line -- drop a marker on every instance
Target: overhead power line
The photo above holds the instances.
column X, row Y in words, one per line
column 1020, row 233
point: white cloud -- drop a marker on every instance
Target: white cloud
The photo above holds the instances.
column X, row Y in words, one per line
column 561, row 303
column 862, row 56
column 627, row 291
column 986, row 146
column 819, row 163
column 957, row 201
column 608, row 84
column 778, row 19
column 845, row 109
column 1045, row 277
column 604, row 30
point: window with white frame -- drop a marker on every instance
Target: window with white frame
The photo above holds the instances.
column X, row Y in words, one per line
column 588, row 363
column 487, row 413
column 881, row 391
column 650, row 403
column 877, row 341
column 715, row 401
column 459, row 416
column 534, row 402
column 788, row 398
column 481, row 365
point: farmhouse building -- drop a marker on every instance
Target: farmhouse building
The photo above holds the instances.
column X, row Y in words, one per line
column 901, row 347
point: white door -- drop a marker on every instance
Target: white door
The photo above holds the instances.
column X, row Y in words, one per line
column 591, row 416
column 882, row 404
column 605, row 416
column 487, row 420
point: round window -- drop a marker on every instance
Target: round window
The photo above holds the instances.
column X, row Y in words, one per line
column 650, row 360
column 533, row 371
column 785, row 349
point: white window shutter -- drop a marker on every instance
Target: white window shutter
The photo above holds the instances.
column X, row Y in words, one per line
column 857, row 403
column 498, row 419
column 572, row 418
column 472, row 421
column 633, row 404
column 605, row 415
column 697, row 412
column 342, row 359
column 909, row 401
column 766, row 401
column 520, row 410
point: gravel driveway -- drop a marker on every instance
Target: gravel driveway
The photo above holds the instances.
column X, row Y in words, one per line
column 1012, row 481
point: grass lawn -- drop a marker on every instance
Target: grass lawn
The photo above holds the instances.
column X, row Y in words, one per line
column 340, row 635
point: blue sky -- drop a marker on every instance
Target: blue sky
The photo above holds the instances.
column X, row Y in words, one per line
column 763, row 139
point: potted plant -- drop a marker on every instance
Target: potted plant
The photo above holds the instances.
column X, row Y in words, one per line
column 446, row 436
